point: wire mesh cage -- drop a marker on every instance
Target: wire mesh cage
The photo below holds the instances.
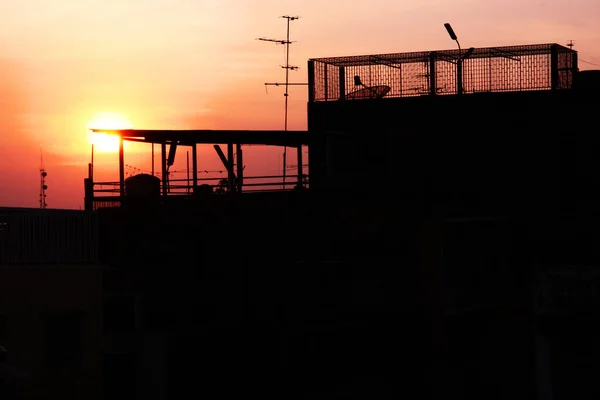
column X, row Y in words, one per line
column 444, row 72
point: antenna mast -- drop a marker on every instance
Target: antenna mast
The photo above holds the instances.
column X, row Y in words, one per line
column 43, row 186
column 286, row 42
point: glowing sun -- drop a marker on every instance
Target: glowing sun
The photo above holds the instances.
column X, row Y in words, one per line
column 104, row 142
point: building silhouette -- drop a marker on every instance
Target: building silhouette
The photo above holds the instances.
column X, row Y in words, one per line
column 447, row 207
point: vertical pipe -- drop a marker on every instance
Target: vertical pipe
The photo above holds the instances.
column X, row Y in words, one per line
column 230, row 174
column 163, row 166
column 459, row 88
column 195, row 167
column 187, row 161
column 152, row 158
column 121, row 168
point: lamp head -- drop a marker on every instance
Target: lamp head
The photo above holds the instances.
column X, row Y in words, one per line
column 357, row 81
column 450, row 31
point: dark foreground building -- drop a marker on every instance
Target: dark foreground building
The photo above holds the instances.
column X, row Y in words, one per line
column 440, row 186
column 50, row 304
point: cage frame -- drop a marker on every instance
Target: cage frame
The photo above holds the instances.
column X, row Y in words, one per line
column 509, row 68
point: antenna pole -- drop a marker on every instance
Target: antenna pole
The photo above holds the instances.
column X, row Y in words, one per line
column 287, row 84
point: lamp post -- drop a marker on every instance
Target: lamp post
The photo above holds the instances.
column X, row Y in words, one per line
column 459, row 87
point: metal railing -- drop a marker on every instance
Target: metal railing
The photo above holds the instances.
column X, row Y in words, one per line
column 217, row 184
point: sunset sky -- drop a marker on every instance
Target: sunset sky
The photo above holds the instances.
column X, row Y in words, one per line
column 182, row 64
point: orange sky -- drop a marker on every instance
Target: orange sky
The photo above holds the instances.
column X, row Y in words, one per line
column 196, row 64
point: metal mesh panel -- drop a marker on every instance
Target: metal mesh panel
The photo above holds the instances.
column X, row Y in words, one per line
column 494, row 69
column 566, row 61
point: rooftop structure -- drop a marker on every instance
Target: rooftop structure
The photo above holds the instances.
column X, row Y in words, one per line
column 107, row 194
column 490, row 69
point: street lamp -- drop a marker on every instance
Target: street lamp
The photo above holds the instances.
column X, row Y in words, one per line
column 459, row 62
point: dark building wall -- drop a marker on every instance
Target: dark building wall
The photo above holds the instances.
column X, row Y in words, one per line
column 379, row 298
column 284, row 293
column 53, row 328
column 489, row 150
column 488, row 308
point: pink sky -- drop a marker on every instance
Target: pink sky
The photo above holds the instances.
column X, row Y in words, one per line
column 196, row 64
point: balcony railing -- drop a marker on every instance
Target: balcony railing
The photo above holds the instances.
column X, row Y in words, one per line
column 108, row 194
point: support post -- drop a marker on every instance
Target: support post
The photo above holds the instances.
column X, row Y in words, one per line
column 195, row 167
column 432, row 74
column 325, row 88
column 342, row 83
column 228, row 166
column 459, row 75
column 554, row 73
column 230, row 173
column 187, row 164
column 163, row 166
column 300, row 169
column 89, row 194
column 240, row 167
column 121, row 169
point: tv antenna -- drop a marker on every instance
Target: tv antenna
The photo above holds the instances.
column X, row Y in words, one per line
column 286, row 42
column 570, row 44
column 43, row 185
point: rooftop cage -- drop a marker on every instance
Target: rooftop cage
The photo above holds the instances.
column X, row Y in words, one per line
column 491, row 69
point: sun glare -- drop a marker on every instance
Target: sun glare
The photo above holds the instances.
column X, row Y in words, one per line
column 104, row 142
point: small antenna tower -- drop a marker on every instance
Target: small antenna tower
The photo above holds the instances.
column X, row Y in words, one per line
column 286, row 42
column 571, row 44
column 43, row 185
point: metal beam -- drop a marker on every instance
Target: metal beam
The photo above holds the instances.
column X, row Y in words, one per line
column 224, row 160
column 290, row 138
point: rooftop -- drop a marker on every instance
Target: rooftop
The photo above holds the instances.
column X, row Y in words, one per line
column 111, row 194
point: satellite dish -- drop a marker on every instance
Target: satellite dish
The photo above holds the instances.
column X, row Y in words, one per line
column 370, row 92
